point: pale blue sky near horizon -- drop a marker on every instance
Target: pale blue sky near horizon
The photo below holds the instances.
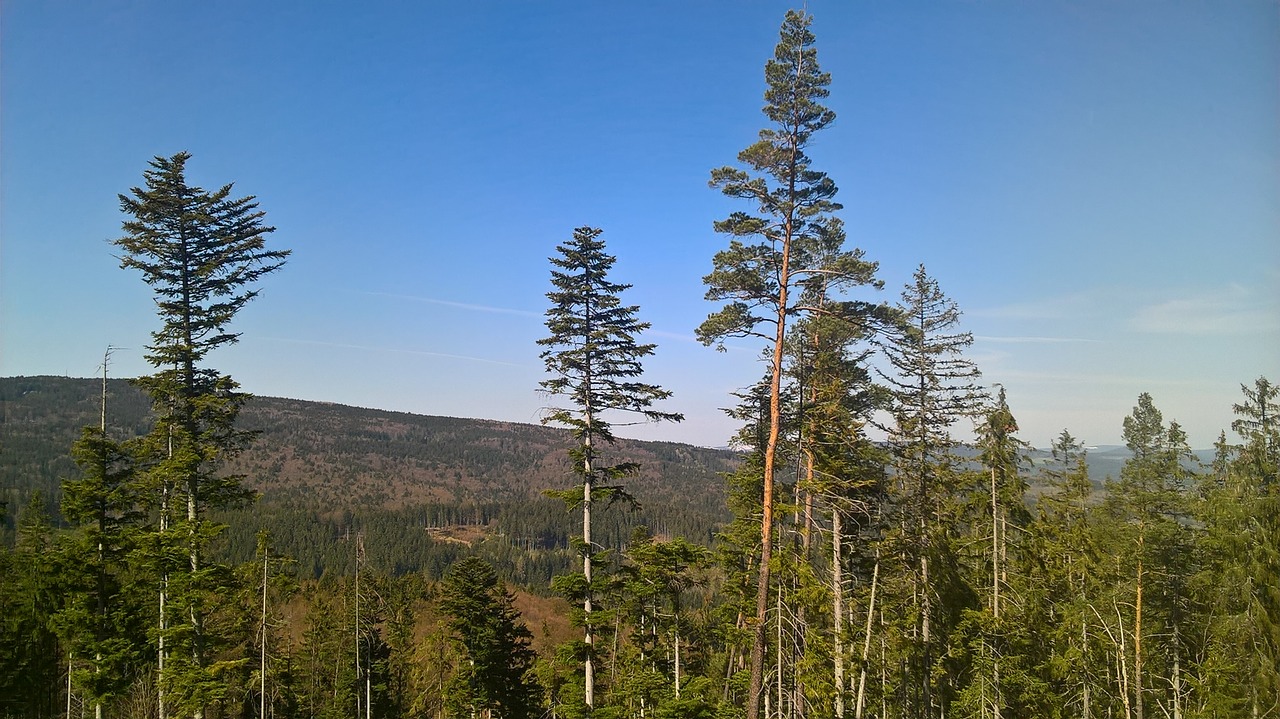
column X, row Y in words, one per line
column 1096, row 184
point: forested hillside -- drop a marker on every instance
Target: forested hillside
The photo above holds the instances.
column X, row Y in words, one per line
column 322, row 470
column 418, row 487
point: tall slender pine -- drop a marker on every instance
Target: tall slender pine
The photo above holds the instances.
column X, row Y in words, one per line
column 793, row 240
column 595, row 357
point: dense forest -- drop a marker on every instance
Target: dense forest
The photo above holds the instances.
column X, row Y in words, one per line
column 174, row 547
column 321, row 472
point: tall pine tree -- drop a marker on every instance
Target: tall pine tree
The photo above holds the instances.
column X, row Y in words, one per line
column 202, row 252
column 793, row 239
column 934, row 386
column 595, row 357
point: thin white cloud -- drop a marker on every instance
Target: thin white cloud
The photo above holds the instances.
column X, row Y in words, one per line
column 457, row 305
column 1234, row 309
column 1033, row 340
column 1077, row 304
column 396, row 350
column 1098, row 379
column 673, row 335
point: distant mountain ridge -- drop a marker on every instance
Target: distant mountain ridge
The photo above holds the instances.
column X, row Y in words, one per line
column 346, row 467
column 320, row 452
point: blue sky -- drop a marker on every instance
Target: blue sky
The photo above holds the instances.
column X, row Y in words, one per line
column 1097, row 184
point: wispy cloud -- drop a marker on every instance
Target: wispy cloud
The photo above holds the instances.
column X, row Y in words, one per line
column 395, row 350
column 1034, row 340
column 682, row 337
column 1088, row 380
column 1234, row 309
column 457, row 305
column 1050, row 308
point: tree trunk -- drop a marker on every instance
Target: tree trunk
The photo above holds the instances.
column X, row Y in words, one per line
column 1122, row 666
column 262, row 658
column 837, row 609
column 1139, row 710
column 995, row 548
column 770, row 456
column 197, row 619
column 778, row 653
column 589, row 673
column 866, row 640
column 161, row 653
column 926, row 607
column 997, row 552
column 1177, row 675
column 1084, row 641
column 677, row 657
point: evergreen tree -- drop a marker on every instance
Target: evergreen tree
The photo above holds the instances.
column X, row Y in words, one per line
column 934, row 386
column 268, row 582
column 201, row 252
column 1065, row 573
column 96, row 622
column 326, row 673
column 656, row 577
column 1147, row 512
column 999, row 674
column 30, row 656
column 1258, row 424
column 737, row 546
column 595, row 359
column 793, row 240
column 497, row 674
column 841, row 480
column 1238, row 570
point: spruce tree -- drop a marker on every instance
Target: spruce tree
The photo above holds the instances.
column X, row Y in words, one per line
column 998, row 676
column 594, row 357
column 934, row 386
column 202, row 252
column 1258, row 424
column 497, row 676
column 1239, row 567
column 793, row 240
column 841, row 473
column 99, row 627
column 31, row 661
column 1148, row 514
column 1066, row 576
column 96, row 623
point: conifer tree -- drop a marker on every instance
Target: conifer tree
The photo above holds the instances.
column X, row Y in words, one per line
column 1258, row 424
column 1147, row 509
column 998, row 672
column 497, row 674
column 30, row 659
column 201, row 252
column 934, row 386
column 1238, row 569
column 792, row 240
column 842, row 472
column 655, row 578
column 1067, row 578
column 98, row 626
column 595, row 357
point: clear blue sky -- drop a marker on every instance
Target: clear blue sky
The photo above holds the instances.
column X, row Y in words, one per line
column 1097, row 184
